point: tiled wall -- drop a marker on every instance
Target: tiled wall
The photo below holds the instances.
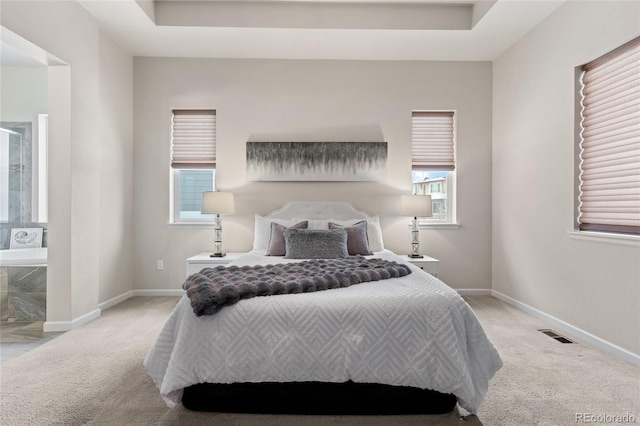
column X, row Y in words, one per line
column 23, row 293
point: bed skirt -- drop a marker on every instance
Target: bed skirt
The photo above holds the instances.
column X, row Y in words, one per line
column 316, row 398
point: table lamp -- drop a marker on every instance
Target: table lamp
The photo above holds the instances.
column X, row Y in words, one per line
column 416, row 206
column 216, row 202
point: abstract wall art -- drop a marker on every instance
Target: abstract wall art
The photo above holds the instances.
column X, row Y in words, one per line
column 316, row 161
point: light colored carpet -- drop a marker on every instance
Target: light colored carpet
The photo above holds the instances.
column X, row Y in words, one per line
column 94, row 376
column 545, row 382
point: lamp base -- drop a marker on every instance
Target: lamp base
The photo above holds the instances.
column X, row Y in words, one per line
column 217, row 254
column 416, row 256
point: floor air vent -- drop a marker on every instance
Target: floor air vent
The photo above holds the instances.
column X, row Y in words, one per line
column 556, row 336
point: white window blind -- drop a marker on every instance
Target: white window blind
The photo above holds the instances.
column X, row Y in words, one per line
column 432, row 140
column 193, row 139
column 610, row 142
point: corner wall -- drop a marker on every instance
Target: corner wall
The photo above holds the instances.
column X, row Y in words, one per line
column 79, row 113
column 115, row 233
column 592, row 285
column 285, row 100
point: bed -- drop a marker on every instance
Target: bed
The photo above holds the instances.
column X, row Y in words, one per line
column 404, row 344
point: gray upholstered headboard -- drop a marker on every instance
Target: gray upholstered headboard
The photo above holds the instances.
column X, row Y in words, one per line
column 318, row 210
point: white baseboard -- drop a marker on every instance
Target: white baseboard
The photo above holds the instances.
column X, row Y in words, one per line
column 473, row 291
column 57, row 326
column 139, row 293
column 115, row 300
column 148, row 293
column 60, row 326
column 585, row 336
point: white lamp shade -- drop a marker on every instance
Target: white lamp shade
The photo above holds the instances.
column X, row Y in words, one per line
column 217, row 202
column 416, row 205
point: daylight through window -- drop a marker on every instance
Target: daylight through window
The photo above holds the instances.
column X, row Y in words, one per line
column 193, row 160
column 433, row 160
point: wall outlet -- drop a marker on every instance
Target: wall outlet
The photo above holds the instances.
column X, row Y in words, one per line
column 160, row 265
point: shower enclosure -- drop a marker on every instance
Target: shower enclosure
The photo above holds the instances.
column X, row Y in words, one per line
column 12, row 182
column 21, row 175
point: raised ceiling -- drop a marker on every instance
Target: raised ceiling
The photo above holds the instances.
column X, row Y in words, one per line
column 16, row 51
column 319, row 29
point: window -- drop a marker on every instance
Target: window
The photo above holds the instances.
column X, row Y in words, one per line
column 609, row 143
column 193, row 162
column 40, row 181
column 433, row 160
column 5, row 138
column 189, row 184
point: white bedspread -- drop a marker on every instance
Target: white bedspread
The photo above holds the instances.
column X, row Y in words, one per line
column 410, row 331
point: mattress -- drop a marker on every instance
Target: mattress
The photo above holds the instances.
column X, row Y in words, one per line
column 413, row 331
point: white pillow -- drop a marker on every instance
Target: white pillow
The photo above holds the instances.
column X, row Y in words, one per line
column 314, row 223
column 374, row 232
column 262, row 231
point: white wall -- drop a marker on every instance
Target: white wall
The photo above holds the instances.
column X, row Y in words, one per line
column 310, row 100
column 76, row 108
column 594, row 286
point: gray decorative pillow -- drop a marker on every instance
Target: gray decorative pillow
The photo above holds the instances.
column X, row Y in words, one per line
column 276, row 242
column 315, row 243
column 357, row 241
column 374, row 232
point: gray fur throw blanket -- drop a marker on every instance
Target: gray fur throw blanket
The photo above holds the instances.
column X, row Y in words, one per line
column 213, row 288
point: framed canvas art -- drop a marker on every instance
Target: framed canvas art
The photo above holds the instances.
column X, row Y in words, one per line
column 316, row 161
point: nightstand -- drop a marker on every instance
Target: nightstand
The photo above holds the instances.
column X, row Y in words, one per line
column 427, row 264
column 204, row 260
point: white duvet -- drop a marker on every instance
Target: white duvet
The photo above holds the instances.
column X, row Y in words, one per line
column 410, row 331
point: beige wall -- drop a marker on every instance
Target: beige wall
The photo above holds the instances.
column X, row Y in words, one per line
column 59, row 294
column 594, row 286
column 115, row 233
column 23, row 95
column 76, row 119
column 310, row 100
